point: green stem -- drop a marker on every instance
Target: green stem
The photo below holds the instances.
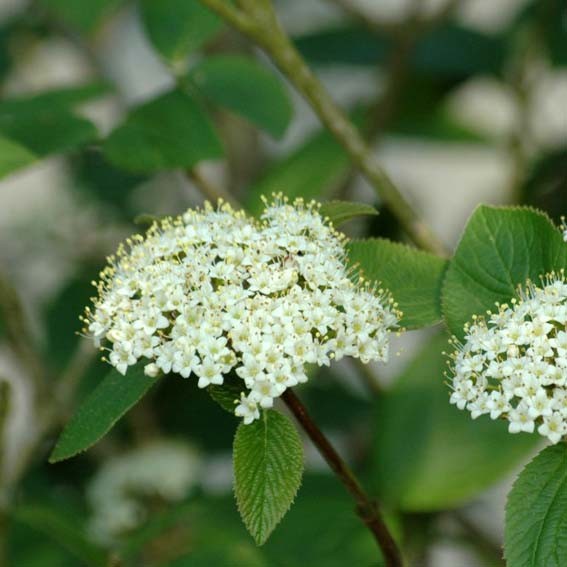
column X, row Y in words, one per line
column 260, row 24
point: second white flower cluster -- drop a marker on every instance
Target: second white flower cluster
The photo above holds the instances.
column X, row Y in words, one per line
column 514, row 365
column 215, row 291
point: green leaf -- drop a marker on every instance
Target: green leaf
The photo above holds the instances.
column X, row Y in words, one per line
column 311, row 171
column 455, row 51
column 339, row 212
column 428, row 454
column 13, row 156
column 228, row 393
column 436, row 125
column 247, row 88
column 447, row 51
column 45, row 123
column 500, row 249
column 168, row 132
column 109, row 401
column 62, row 99
column 347, row 45
column 63, row 529
column 536, row 522
column 268, row 466
column 98, row 179
column 413, row 277
column 177, row 27
column 86, row 15
column 60, row 317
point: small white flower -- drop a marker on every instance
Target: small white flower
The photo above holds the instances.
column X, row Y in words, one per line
column 514, row 366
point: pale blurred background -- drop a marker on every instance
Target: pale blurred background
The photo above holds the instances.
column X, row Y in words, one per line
column 48, row 227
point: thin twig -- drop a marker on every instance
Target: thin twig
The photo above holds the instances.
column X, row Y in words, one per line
column 368, row 510
column 262, row 27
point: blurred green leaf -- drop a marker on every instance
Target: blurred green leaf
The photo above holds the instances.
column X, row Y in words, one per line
column 168, row 132
column 31, row 548
column 328, row 396
column 44, row 123
column 9, row 29
column 177, row 27
column 63, row 529
column 247, row 88
column 268, row 466
column 85, row 15
column 99, row 179
column 546, row 22
column 500, row 249
column 322, row 528
column 448, row 50
column 13, row 156
column 60, row 99
column 62, row 316
column 413, row 277
column 47, row 132
column 339, row 212
column 110, row 400
column 428, row 454
column 455, row 51
column 536, row 522
column 221, row 552
column 433, row 125
column 182, row 407
column 310, row 171
column 350, row 44
column 228, row 394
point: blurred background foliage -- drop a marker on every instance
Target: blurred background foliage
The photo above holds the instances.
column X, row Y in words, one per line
column 111, row 109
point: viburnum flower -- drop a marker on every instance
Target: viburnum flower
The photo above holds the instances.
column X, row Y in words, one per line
column 215, row 291
column 513, row 365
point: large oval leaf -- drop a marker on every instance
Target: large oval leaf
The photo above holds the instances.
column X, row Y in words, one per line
column 268, row 466
column 428, row 454
column 109, row 401
column 168, row 132
column 500, row 249
column 536, row 522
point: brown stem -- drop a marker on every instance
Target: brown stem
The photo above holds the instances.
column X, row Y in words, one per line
column 367, row 509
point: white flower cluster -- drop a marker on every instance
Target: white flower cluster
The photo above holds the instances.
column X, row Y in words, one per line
column 514, row 365
column 215, row 291
column 166, row 469
column 564, row 228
